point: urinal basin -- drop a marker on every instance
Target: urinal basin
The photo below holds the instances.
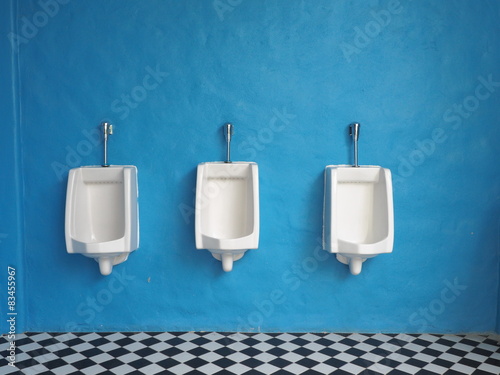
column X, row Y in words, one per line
column 102, row 214
column 358, row 221
column 227, row 209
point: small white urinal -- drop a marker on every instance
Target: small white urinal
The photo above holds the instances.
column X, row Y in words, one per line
column 227, row 208
column 358, row 217
column 102, row 213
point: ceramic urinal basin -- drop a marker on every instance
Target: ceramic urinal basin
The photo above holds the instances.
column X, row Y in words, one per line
column 102, row 219
column 358, row 218
column 227, row 210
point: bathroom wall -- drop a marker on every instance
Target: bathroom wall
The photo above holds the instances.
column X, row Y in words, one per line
column 10, row 186
column 421, row 77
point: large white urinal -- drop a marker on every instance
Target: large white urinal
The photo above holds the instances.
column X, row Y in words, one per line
column 227, row 208
column 358, row 214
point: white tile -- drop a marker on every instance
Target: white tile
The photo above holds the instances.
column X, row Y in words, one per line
column 238, row 368
column 100, row 358
column 379, row 368
column 267, row 368
column 318, row 357
column 109, row 346
column 266, row 357
column 72, row 358
column 129, row 357
column 155, row 357
column 314, row 347
column 186, row 346
column 123, row 369
column 63, row 370
column 183, row 357
column 345, row 357
column 210, row 356
column 489, row 368
column 96, row 369
column 462, row 368
column 34, row 370
column 295, row 368
column 152, row 369
column 134, row 346
column 237, row 357
column 435, row 368
column 286, row 337
column 323, row 368
column 288, row 346
column 408, row 368
column 180, row 369
column 209, row 369
column 160, row 346
column 352, row 368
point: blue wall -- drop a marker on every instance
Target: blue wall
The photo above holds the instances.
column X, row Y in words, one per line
column 11, row 202
column 422, row 78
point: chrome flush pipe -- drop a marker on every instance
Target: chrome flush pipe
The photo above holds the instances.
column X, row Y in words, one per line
column 107, row 129
column 228, row 133
column 354, row 133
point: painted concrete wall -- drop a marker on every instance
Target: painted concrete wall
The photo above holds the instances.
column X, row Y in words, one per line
column 11, row 203
column 421, row 77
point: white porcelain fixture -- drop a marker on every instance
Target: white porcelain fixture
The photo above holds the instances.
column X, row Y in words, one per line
column 358, row 218
column 227, row 210
column 227, row 207
column 102, row 219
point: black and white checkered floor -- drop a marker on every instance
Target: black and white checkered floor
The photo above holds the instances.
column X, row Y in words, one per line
column 251, row 353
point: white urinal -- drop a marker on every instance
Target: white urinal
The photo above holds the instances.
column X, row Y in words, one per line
column 358, row 217
column 227, row 209
column 102, row 219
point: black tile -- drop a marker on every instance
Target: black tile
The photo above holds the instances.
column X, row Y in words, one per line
column 280, row 362
column 251, row 362
column 224, row 351
column 112, row 363
column 170, row 352
column 150, row 341
column 118, row 352
column 355, row 352
column 196, row 362
column 168, row 363
column 329, row 352
column 303, row 352
column 251, row 352
column 144, row 352
column 99, row 342
column 55, row 363
column 89, row 353
column 334, row 362
column 175, row 341
column 278, row 352
column 223, row 362
column 83, row 363
column 198, row 351
column 200, row 341
column 139, row 363
column 416, row 363
column 307, row 362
